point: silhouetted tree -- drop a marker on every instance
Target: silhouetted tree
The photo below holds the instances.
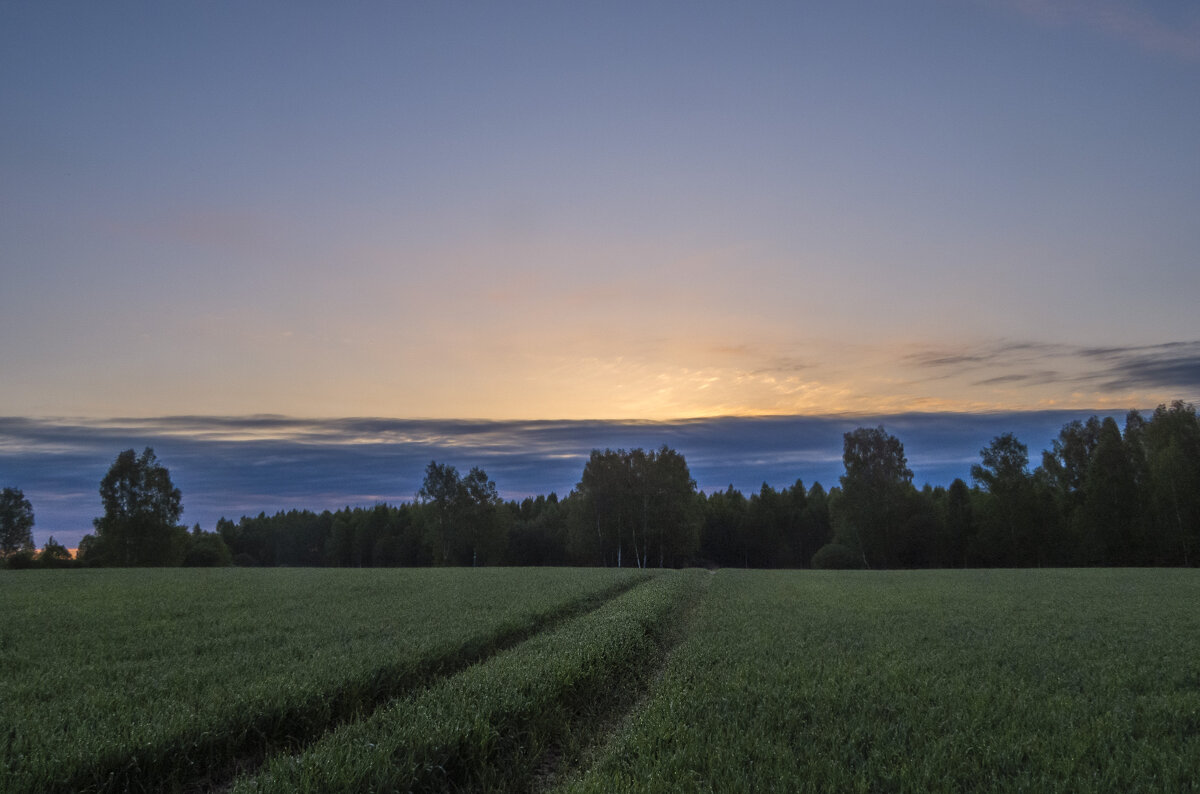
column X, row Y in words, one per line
column 206, row 550
column 870, row 508
column 537, row 532
column 815, row 530
column 1108, row 515
column 141, row 514
column 1172, row 439
column 54, row 555
column 959, row 524
column 637, row 503
column 722, row 540
column 1064, row 465
column 16, row 522
column 1006, row 516
column 439, row 491
column 480, row 515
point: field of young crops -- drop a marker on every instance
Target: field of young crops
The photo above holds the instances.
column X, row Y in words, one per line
column 599, row 680
column 119, row 680
column 1033, row 680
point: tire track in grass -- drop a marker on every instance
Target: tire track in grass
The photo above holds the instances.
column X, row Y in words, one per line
column 568, row 757
column 492, row 726
column 245, row 742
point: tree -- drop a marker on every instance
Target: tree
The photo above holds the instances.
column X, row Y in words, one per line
column 960, row 524
column 603, row 489
column 440, row 491
column 16, row 523
column 480, row 511
column 641, row 503
column 873, row 495
column 140, row 525
column 206, row 550
column 465, row 514
column 54, row 555
column 1172, row 439
column 1107, row 518
column 671, row 526
column 722, row 539
column 1064, row 465
column 1007, row 519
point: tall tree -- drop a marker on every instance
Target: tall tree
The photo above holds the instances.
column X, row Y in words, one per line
column 1064, row 465
column 481, row 516
column 440, row 491
column 639, row 505
column 816, row 529
column 1007, row 521
column 721, row 540
column 874, row 487
column 16, row 522
column 140, row 525
column 960, row 524
column 604, row 491
column 672, row 532
column 1108, row 517
column 1172, row 441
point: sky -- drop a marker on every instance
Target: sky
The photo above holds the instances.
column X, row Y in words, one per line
column 623, row 213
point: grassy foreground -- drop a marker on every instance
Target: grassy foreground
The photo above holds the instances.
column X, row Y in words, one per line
column 570, row 680
column 1080, row 680
column 120, row 680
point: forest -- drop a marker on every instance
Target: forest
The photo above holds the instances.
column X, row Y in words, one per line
column 1103, row 495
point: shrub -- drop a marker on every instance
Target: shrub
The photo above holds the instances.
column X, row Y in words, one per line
column 835, row 556
column 206, row 550
column 20, row 560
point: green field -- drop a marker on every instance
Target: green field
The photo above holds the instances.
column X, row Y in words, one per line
column 600, row 680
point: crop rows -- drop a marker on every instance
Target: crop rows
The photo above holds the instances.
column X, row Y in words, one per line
column 142, row 680
column 594, row 681
column 492, row 726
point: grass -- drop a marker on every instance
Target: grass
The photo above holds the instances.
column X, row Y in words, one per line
column 569, row 679
column 491, row 726
column 144, row 679
column 925, row 681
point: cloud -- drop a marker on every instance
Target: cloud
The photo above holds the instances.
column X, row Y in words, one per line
column 1124, row 21
column 1174, row 365
column 234, row 466
column 1044, row 376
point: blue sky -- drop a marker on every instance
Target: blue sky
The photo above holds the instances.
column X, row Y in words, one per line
column 585, row 211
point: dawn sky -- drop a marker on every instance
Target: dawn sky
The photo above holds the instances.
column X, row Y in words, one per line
column 597, row 211
column 984, row 212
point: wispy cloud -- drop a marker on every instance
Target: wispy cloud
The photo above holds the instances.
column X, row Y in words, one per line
column 1172, row 367
column 1135, row 23
column 1044, row 376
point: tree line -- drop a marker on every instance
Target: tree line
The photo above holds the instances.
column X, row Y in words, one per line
column 1103, row 495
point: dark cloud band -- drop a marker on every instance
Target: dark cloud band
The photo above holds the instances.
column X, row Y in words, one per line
column 231, row 466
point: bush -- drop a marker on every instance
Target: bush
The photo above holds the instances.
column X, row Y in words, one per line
column 55, row 555
column 20, row 560
column 206, row 550
column 835, row 556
